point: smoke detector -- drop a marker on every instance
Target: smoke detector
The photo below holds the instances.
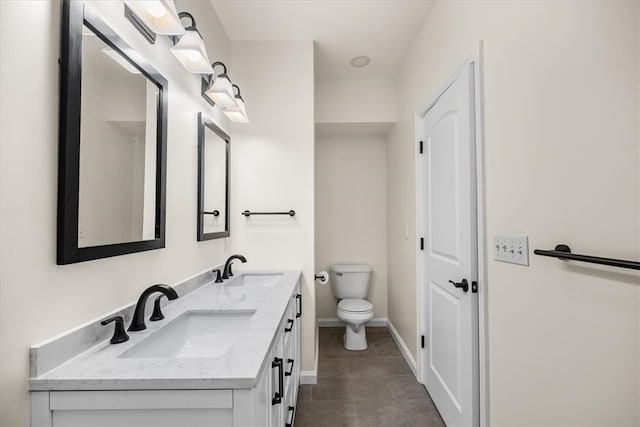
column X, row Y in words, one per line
column 360, row 61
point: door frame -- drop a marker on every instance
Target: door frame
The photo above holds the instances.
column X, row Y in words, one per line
column 473, row 60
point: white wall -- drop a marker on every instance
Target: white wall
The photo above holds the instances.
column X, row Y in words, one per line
column 350, row 192
column 561, row 158
column 352, row 116
column 272, row 165
column 38, row 298
column 355, row 100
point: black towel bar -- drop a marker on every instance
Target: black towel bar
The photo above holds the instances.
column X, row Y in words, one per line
column 249, row 213
column 564, row 252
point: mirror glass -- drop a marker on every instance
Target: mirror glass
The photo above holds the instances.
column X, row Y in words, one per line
column 215, row 173
column 118, row 137
column 113, row 143
column 213, row 150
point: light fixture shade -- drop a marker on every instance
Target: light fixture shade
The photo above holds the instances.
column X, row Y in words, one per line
column 191, row 53
column 159, row 15
column 221, row 91
column 239, row 113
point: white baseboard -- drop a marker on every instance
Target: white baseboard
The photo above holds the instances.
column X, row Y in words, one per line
column 311, row 377
column 403, row 349
column 308, row 377
column 332, row 322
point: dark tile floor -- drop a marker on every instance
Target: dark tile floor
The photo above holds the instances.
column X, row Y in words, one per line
column 370, row 388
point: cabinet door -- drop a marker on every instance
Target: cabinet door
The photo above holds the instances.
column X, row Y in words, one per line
column 295, row 349
column 276, row 383
column 253, row 407
column 289, row 343
column 292, row 359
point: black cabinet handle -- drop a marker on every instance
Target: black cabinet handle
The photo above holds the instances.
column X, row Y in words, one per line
column 464, row 285
column 292, row 410
column 288, row 374
column 277, row 396
column 290, row 328
column 299, row 305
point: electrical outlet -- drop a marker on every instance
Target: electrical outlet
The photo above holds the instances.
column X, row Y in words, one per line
column 512, row 249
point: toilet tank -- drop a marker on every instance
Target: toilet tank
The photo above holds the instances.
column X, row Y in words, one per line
column 351, row 280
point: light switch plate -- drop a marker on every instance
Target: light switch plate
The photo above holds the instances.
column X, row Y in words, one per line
column 512, row 249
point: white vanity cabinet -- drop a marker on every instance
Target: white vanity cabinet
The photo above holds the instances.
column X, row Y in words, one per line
column 271, row 402
column 284, row 377
column 277, row 390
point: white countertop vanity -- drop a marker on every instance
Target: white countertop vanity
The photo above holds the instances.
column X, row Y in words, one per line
column 224, row 355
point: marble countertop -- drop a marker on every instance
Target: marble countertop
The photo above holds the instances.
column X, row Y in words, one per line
column 101, row 367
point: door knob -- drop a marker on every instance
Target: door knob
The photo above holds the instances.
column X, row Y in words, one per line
column 464, row 285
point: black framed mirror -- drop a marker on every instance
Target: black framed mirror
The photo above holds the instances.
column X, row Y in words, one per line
column 113, row 143
column 213, row 181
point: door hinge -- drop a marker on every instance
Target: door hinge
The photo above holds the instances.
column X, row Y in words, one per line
column 421, row 341
column 422, row 243
column 421, row 148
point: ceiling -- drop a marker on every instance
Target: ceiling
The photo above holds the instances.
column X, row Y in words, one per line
column 341, row 29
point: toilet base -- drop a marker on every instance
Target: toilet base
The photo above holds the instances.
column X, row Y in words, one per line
column 355, row 341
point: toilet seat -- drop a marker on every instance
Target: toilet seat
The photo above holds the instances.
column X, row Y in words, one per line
column 359, row 306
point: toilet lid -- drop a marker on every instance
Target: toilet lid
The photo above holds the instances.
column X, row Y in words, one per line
column 355, row 305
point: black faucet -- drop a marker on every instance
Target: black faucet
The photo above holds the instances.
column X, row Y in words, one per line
column 227, row 265
column 137, row 323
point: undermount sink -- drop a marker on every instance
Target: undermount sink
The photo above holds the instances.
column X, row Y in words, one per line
column 194, row 334
column 257, row 280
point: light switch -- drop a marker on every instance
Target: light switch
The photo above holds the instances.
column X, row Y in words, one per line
column 512, row 249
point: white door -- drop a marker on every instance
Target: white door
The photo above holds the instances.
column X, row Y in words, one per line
column 450, row 253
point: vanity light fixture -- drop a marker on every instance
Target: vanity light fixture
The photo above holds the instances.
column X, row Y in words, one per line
column 220, row 89
column 190, row 50
column 152, row 17
column 239, row 113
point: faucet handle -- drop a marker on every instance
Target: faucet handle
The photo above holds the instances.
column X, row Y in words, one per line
column 229, row 272
column 119, row 334
column 218, row 275
column 157, row 313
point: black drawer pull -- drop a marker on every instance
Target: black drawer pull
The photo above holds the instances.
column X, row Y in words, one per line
column 290, row 328
column 299, row 303
column 277, row 396
column 292, row 409
column 288, row 374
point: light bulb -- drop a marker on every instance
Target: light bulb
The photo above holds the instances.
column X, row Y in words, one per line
column 155, row 9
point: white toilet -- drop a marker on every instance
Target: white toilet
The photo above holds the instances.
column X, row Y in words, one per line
column 351, row 284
